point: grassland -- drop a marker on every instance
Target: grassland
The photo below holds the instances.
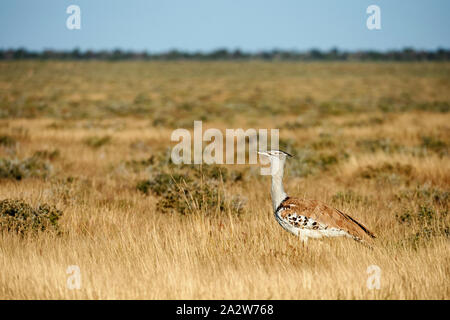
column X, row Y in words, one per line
column 92, row 140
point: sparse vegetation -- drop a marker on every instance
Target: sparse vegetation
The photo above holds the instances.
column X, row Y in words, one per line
column 426, row 194
column 309, row 162
column 370, row 139
column 189, row 189
column 342, row 198
column 387, row 171
column 47, row 154
column 435, row 145
column 425, row 223
column 7, row 141
column 18, row 216
column 97, row 142
column 374, row 145
column 17, row 169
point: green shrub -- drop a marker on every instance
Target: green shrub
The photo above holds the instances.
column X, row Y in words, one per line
column 425, row 194
column 425, row 222
column 19, row 169
column 187, row 188
column 338, row 108
column 7, row 141
column 97, row 142
column 18, row 216
column 138, row 165
column 435, row 145
column 374, row 145
column 302, row 123
column 436, row 106
column 46, row 154
column 179, row 193
column 348, row 197
column 325, row 142
column 309, row 162
column 386, row 170
column 162, row 183
column 399, row 105
column 372, row 121
column 215, row 172
column 161, row 162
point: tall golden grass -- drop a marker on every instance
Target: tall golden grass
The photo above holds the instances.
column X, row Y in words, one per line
column 127, row 249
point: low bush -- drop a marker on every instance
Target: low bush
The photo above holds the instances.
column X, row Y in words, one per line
column 425, row 222
column 374, row 145
column 7, row 141
column 386, row 170
column 18, row 216
column 47, row 154
column 198, row 191
column 435, row 145
column 19, row 169
column 97, row 142
column 309, row 162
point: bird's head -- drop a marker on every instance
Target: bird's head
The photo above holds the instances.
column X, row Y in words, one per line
column 275, row 154
column 276, row 159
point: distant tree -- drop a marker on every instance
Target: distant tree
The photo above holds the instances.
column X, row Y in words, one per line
column 407, row 54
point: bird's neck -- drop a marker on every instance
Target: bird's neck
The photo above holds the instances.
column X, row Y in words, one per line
column 277, row 191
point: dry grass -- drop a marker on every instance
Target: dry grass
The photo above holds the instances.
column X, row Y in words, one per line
column 96, row 122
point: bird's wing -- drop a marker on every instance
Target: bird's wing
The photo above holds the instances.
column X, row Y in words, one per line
column 324, row 215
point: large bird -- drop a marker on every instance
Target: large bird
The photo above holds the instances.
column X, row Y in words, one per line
column 309, row 218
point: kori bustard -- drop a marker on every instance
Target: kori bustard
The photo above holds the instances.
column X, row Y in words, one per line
column 309, row 218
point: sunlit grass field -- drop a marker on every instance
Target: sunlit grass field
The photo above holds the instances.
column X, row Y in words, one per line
column 92, row 139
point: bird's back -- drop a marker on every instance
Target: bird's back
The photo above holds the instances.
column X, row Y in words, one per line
column 316, row 219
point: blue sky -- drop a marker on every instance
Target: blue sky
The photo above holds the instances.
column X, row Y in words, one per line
column 251, row 25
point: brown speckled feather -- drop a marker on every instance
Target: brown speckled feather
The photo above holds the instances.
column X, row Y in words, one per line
column 326, row 215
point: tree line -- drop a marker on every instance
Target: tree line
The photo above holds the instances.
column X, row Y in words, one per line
column 407, row 54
